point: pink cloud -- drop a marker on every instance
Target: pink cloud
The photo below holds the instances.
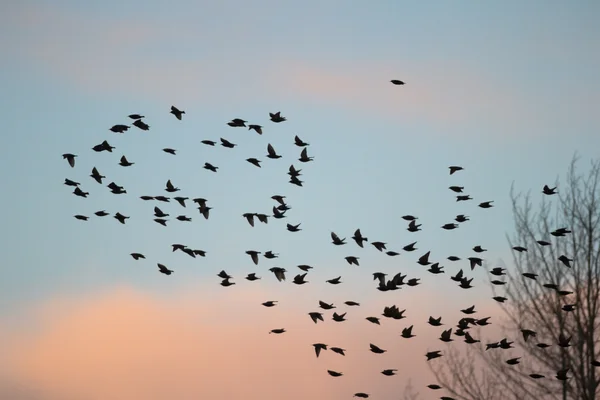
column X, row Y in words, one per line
column 452, row 93
column 124, row 344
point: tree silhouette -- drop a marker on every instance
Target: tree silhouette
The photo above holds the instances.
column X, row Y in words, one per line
column 477, row 373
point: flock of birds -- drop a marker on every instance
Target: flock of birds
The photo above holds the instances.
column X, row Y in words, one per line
column 383, row 282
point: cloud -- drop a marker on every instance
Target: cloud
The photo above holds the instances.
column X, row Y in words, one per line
column 151, row 59
column 124, row 344
column 450, row 93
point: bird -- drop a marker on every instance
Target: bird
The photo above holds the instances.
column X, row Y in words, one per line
column 136, row 116
column 180, row 200
column 338, row 350
column 169, row 150
column 70, row 159
column 299, row 279
column 461, row 218
column 316, row 316
column 80, row 193
column 237, row 122
column 271, row 153
column 304, row 156
column 358, row 238
column 375, row 349
column 176, row 112
column 565, row 260
column 170, row 188
column 410, row 247
column 226, row 143
column 119, row 128
column 256, row 128
column 379, row 245
column 455, row 168
column 270, row 255
column 104, row 146
column 397, row 82
column 279, row 273
column 549, row 191
column 449, row 226
column 334, row 281
column 124, row 163
column 413, row 226
column 407, row 332
column 141, row 125
column 96, row 175
column 424, row 259
column 318, row 347
column 254, row 161
column 336, row 240
column 298, row 142
column 293, row 228
column 163, row 269
column 433, row 354
column 254, row 255
column 69, row 182
column 210, row 167
column 352, row 260
column 486, row 204
column 276, row 117
column 120, row 217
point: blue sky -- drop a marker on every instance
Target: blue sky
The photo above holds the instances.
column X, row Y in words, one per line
column 508, row 90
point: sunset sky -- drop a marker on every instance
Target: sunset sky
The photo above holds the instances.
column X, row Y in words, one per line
column 509, row 90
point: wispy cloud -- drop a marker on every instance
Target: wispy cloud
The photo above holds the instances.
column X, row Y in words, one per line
column 134, row 57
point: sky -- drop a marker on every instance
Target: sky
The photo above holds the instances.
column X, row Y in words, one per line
column 508, row 90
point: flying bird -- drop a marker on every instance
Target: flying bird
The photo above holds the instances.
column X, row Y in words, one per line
column 226, row 143
column 254, row 161
column 271, row 153
column 276, row 117
column 119, row 128
column 549, row 191
column 237, row 122
column 163, row 269
column 124, row 163
column 298, row 142
column 176, row 112
column 70, row 159
column 141, row 125
column 304, row 156
column 336, row 240
column 455, row 168
column 256, row 128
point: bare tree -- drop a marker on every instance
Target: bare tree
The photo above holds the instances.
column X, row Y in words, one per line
column 562, row 302
column 409, row 392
